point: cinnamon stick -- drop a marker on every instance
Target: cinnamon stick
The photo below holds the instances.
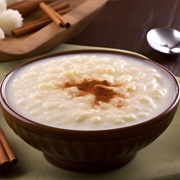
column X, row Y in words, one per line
column 63, row 23
column 35, row 25
column 57, row 18
column 49, row 12
column 7, row 156
column 28, row 6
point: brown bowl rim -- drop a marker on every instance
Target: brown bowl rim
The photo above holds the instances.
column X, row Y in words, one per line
column 56, row 132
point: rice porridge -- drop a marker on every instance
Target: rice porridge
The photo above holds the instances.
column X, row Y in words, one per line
column 89, row 91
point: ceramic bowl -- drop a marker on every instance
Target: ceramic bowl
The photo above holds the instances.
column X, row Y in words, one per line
column 88, row 150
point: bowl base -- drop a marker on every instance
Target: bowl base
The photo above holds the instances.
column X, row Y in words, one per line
column 91, row 167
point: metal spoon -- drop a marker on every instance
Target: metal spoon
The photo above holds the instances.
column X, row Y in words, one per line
column 164, row 40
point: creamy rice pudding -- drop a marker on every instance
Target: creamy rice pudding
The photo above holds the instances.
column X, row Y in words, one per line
column 90, row 91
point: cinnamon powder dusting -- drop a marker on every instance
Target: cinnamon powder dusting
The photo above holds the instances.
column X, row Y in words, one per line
column 101, row 90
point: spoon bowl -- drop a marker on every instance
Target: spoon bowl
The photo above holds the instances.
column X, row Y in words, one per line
column 164, row 40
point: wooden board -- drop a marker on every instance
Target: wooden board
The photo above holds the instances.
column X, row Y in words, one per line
column 43, row 40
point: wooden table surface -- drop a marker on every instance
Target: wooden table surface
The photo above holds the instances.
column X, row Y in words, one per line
column 123, row 24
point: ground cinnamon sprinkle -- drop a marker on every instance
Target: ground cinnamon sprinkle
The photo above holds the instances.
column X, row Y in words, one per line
column 100, row 89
